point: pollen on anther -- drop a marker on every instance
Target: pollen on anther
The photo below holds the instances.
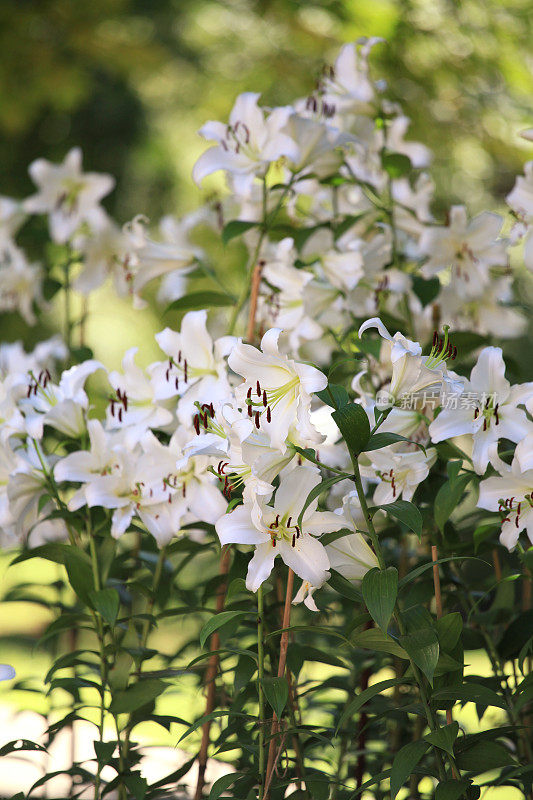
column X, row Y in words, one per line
column 257, row 419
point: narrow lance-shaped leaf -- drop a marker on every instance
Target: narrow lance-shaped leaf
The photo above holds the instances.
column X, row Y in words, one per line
column 215, row 623
column 405, row 512
column 354, row 426
column 404, row 762
column 277, row 693
column 380, row 588
column 423, row 647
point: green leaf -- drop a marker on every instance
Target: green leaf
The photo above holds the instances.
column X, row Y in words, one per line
column 364, row 697
column 104, row 752
column 426, row 290
column 221, row 712
column 444, row 738
column 380, row 588
column 343, row 586
column 379, row 440
column 448, row 498
column 107, row 603
column 482, row 757
column 20, row 744
column 404, row 762
column 53, row 551
column 452, row 789
column 132, row 698
column 374, row 639
column 50, row 288
column 277, row 693
column 396, row 165
column 354, row 426
column 218, row 621
column 334, row 396
column 468, row 693
column 405, row 512
column 449, row 629
column 197, row 300
column 79, row 574
column 316, row 492
column 223, row 783
column 136, row 784
column 235, row 228
column 423, row 647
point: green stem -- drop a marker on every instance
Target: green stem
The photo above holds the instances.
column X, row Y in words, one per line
column 260, row 692
column 68, row 315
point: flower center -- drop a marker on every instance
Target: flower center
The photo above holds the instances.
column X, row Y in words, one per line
column 262, row 401
column 283, row 529
column 441, row 349
column 489, row 411
column 512, row 506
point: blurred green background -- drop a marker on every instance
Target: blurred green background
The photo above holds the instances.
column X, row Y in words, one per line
column 132, row 80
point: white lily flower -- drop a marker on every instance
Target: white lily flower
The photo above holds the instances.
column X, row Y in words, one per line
column 414, row 377
column 105, row 457
column 511, row 495
column 20, row 283
column 520, row 199
column 469, row 248
column 11, row 218
column 63, row 405
column 246, row 147
column 305, row 594
column 400, row 344
column 348, row 89
column 67, row 194
column 274, row 530
column 490, row 409
column 400, row 473
column 276, row 390
column 195, row 370
column 134, row 402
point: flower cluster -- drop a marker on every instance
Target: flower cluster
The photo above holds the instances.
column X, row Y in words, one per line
column 213, row 433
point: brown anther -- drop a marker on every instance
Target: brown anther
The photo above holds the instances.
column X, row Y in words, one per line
column 196, row 423
column 265, row 401
column 269, row 415
column 297, row 531
column 205, row 420
column 257, row 419
column 249, row 394
column 293, row 539
column 120, row 415
column 289, row 522
column 176, row 384
column 258, row 388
